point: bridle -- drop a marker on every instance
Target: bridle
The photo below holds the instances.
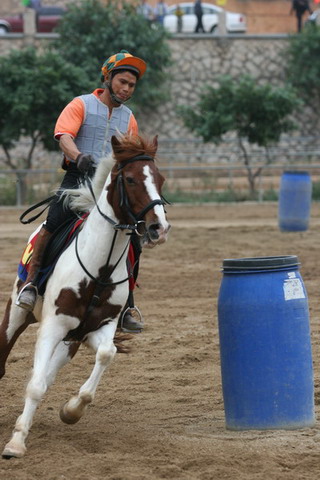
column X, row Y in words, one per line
column 134, row 228
column 124, row 202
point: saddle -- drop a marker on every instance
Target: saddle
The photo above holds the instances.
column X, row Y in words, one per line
column 59, row 241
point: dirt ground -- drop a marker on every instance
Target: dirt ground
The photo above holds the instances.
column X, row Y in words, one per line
column 158, row 413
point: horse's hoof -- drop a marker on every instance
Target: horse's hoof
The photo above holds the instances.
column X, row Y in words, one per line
column 67, row 417
column 13, row 452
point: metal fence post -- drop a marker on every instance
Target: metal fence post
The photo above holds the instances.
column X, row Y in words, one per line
column 18, row 190
column 260, row 188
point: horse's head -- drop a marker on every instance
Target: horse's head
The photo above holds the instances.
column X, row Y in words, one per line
column 135, row 189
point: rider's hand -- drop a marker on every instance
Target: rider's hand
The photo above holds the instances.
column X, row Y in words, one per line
column 85, row 163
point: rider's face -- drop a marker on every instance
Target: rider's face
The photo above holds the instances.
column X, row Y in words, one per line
column 123, row 85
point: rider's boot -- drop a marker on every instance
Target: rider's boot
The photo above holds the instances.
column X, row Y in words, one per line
column 28, row 294
column 130, row 320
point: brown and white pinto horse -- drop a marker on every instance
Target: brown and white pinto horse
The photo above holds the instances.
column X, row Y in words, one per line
column 89, row 285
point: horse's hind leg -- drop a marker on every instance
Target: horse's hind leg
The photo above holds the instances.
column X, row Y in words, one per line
column 101, row 342
column 15, row 321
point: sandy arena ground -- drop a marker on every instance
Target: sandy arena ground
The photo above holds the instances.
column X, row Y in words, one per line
column 158, row 413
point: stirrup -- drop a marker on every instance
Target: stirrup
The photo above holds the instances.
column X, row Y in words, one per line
column 139, row 322
column 30, row 300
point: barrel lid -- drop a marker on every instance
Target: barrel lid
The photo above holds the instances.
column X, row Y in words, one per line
column 259, row 263
column 296, row 172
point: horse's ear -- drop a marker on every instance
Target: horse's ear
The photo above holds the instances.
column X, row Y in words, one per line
column 155, row 142
column 115, row 142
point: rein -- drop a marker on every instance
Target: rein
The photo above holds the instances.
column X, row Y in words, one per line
column 46, row 202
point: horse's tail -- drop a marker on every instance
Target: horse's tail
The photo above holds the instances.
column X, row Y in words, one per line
column 118, row 342
column 81, row 199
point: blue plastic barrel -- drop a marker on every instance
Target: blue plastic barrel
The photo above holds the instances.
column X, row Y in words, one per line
column 295, row 201
column 265, row 347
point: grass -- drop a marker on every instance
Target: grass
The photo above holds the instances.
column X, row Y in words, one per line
column 228, row 195
column 8, row 195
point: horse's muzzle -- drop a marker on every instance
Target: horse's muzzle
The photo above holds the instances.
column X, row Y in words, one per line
column 156, row 234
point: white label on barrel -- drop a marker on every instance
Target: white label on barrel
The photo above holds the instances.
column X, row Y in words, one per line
column 293, row 289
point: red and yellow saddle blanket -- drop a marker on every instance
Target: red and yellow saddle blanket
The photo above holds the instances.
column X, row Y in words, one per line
column 23, row 267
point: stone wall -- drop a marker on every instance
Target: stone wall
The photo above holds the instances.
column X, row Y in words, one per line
column 198, row 60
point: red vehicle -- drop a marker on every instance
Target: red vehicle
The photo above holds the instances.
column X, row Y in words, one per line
column 46, row 20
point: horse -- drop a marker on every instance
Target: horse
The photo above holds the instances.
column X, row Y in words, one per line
column 88, row 287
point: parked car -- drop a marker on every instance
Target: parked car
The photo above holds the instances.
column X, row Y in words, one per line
column 235, row 22
column 47, row 18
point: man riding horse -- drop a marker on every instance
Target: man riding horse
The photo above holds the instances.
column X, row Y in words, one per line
column 84, row 130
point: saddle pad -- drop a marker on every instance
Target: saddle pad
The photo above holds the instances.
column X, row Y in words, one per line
column 23, row 267
column 57, row 244
column 59, row 241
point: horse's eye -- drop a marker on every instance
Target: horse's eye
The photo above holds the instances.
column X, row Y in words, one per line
column 130, row 181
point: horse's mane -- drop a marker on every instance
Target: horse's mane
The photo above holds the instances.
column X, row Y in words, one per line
column 124, row 147
column 132, row 145
column 81, row 199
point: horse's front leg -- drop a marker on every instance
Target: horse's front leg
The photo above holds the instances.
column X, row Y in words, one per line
column 51, row 332
column 15, row 321
column 101, row 341
column 62, row 354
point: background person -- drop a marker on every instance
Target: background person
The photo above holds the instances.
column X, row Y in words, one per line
column 36, row 4
column 198, row 13
column 146, row 11
column 160, row 11
column 179, row 14
column 300, row 7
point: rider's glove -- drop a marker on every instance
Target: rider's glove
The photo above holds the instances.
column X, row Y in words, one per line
column 85, row 163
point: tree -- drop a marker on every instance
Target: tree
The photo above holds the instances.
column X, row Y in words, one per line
column 34, row 88
column 91, row 32
column 257, row 113
column 303, row 66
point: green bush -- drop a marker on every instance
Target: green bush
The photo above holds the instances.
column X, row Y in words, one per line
column 316, row 191
column 31, row 107
column 256, row 113
column 7, row 191
column 91, row 31
column 303, row 66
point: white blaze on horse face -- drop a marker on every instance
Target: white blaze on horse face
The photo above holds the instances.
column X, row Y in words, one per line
column 159, row 210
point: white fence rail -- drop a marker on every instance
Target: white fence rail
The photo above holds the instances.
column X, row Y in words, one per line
column 189, row 165
column 187, row 178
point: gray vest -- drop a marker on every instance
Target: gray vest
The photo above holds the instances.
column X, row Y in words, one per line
column 97, row 129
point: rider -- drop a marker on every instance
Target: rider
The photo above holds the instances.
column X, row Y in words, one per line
column 84, row 130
